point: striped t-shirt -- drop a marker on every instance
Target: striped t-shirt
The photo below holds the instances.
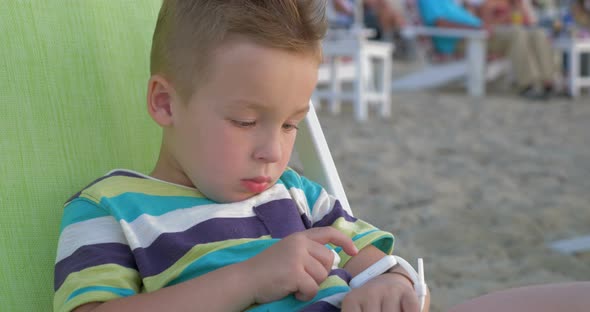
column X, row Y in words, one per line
column 128, row 233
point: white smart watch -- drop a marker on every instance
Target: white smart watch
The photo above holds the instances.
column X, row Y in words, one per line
column 387, row 263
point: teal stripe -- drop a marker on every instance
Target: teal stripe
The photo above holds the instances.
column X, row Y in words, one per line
column 290, row 303
column 121, row 292
column 133, row 205
column 129, row 206
column 291, row 178
column 79, row 210
column 223, row 257
column 385, row 243
column 312, row 190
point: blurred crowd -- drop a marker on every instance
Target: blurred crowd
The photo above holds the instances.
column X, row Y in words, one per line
column 519, row 30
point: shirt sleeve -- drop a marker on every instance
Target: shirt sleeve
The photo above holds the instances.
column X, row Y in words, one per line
column 326, row 210
column 94, row 262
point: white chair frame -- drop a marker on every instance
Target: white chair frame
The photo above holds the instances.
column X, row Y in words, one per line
column 574, row 48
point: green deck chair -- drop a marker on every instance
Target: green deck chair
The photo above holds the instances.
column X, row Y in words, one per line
column 72, row 107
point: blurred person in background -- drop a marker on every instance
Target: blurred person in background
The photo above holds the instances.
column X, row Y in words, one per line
column 515, row 34
column 385, row 17
column 448, row 14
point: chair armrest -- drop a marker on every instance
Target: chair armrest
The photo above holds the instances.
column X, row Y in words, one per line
column 413, row 31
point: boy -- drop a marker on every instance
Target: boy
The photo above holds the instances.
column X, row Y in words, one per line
column 221, row 224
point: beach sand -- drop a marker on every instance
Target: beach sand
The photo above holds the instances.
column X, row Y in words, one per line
column 477, row 187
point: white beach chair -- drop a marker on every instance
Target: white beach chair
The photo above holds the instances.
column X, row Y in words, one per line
column 366, row 64
column 574, row 48
column 316, row 158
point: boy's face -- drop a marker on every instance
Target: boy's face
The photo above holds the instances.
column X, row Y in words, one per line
column 234, row 137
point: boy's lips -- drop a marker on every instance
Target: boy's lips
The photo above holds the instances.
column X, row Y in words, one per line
column 257, row 184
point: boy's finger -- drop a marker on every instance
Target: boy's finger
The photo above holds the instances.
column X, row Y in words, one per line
column 316, row 270
column 410, row 303
column 322, row 254
column 390, row 304
column 324, row 235
column 307, row 288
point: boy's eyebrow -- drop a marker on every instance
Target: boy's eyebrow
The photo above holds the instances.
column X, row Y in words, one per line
column 303, row 110
column 246, row 104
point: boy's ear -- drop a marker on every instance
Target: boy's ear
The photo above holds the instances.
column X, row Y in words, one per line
column 160, row 99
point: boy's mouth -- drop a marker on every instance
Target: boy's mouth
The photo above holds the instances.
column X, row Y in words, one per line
column 256, row 185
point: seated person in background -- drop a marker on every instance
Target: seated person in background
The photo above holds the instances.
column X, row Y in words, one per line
column 449, row 14
column 513, row 34
column 221, row 223
column 385, row 16
column 580, row 10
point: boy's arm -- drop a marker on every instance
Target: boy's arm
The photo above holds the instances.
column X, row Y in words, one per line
column 296, row 264
column 209, row 292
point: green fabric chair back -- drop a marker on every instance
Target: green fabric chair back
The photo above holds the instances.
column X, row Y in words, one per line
column 72, row 107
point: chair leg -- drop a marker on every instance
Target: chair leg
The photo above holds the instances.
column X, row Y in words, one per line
column 476, row 54
column 335, row 85
column 385, row 88
column 574, row 64
column 360, row 103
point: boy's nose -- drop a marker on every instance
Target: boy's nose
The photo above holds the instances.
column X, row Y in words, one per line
column 269, row 149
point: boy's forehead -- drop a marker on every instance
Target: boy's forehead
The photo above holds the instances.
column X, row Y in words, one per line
column 238, row 46
column 244, row 75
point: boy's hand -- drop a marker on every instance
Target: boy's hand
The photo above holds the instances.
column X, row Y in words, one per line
column 296, row 264
column 387, row 292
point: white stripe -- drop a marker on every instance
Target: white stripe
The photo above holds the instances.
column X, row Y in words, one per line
column 89, row 232
column 323, row 205
column 336, row 299
column 301, row 201
column 144, row 230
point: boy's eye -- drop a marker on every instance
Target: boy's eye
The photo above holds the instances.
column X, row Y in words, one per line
column 290, row 127
column 244, row 124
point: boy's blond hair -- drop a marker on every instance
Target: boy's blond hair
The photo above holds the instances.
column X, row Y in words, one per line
column 188, row 32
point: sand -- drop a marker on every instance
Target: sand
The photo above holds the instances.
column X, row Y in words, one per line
column 477, row 187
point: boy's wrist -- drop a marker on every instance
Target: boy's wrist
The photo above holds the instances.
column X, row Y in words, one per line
column 400, row 273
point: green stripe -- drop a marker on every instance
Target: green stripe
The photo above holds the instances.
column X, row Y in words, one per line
column 175, row 272
column 109, row 275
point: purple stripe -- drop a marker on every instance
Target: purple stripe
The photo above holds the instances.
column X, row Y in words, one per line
column 332, row 216
column 277, row 218
column 170, row 247
column 306, row 221
column 342, row 274
column 93, row 255
column 281, row 217
column 320, row 306
column 113, row 174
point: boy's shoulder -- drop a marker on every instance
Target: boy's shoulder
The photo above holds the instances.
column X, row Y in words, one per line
column 121, row 181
